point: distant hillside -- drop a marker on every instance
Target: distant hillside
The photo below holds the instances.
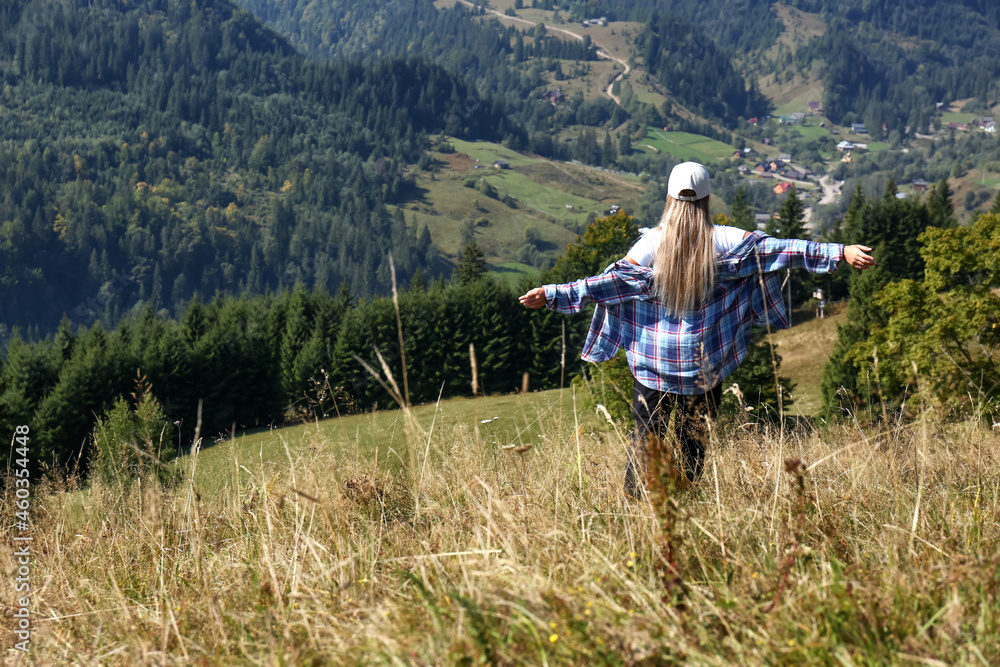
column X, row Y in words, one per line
column 165, row 148
column 879, row 61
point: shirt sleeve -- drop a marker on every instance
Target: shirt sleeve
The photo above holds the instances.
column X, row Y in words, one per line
column 622, row 282
column 771, row 254
column 796, row 253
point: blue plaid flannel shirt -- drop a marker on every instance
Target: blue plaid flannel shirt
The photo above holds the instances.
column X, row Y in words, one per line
column 693, row 353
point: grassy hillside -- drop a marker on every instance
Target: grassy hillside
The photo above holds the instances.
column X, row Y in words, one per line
column 542, row 190
column 384, row 436
column 796, row 546
column 684, row 145
column 804, row 349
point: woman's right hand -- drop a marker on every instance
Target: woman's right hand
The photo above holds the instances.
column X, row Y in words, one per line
column 856, row 257
column 535, row 298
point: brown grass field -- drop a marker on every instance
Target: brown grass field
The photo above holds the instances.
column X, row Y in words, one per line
column 852, row 545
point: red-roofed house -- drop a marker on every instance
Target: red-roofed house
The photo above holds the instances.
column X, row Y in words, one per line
column 782, row 188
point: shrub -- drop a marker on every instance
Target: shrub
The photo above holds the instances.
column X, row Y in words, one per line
column 130, row 441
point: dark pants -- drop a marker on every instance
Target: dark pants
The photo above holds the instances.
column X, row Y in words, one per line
column 651, row 410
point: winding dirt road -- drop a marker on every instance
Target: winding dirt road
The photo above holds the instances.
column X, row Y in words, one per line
column 830, row 190
column 601, row 52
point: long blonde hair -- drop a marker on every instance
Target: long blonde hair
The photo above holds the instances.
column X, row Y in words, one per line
column 684, row 264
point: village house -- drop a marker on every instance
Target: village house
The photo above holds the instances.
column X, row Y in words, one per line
column 920, row 185
column 776, row 165
column 814, row 107
column 744, row 170
column 795, row 175
column 769, row 141
column 555, row 96
column 785, row 157
column 859, row 128
column 783, row 188
column 501, row 164
column 845, row 146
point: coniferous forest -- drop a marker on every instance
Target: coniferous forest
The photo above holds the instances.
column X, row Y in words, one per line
column 172, row 148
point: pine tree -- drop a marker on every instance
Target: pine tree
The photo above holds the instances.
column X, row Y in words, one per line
column 297, row 332
column 940, row 206
column 88, row 383
column 743, row 216
column 891, row 227
column 891, row 190
column 792, row 213
column 609, row 154
column 472, row 266
column 852, row 220
column 496, row 319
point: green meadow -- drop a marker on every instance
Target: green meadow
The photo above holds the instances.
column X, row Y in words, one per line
column 684, row 145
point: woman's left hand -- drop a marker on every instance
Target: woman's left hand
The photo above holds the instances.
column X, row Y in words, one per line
column 534, row 298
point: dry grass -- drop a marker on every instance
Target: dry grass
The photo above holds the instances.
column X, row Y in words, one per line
column 804, row 350
column 879, row 548
column 799, row 26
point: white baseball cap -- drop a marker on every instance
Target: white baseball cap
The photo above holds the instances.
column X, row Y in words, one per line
column 689, row 176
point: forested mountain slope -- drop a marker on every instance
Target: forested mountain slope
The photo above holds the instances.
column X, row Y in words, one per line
column 494, row 57
column 890, row 64
column 880, row 61
column 693, row 68
column 166, row 147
